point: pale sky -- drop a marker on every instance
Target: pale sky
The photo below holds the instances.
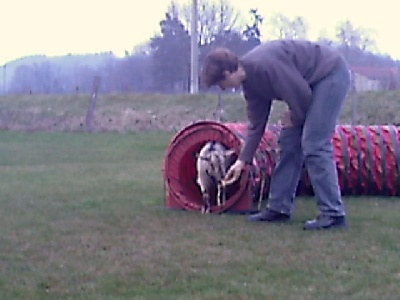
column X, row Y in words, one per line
column 59, row 27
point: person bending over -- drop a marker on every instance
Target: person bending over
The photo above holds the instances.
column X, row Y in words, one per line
column 313, row 79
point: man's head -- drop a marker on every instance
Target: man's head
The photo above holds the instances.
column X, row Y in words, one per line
column 221, row 67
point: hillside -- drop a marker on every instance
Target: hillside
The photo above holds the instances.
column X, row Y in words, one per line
column 131, row 112
column 65, row 63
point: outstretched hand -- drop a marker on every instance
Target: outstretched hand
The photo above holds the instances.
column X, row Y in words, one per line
column 234, row 172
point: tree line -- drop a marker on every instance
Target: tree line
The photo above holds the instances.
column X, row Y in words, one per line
column 163, row 64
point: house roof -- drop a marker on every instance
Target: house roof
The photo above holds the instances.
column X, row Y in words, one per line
column 376, row 73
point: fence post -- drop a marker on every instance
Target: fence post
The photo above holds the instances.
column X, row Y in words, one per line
column 4, row 79
column 354, row 108
column 219, row 110
column 92, row 105
column 354, row 100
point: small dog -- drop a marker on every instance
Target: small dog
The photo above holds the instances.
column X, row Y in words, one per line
column 212, row 163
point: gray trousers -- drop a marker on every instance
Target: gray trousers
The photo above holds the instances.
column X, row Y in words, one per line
column 311, row 145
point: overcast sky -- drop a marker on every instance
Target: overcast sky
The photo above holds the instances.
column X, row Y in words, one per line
column 59, row 27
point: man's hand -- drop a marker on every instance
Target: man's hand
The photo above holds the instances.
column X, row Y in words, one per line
column 234, row 172
column 286, row 120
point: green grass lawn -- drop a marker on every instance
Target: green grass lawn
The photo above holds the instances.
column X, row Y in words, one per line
column 170, row 112
column 82, row 217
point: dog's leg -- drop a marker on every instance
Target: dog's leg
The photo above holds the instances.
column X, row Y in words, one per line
column 219, row 194
column 223, row 194
column 260, row 197
column 206, row 203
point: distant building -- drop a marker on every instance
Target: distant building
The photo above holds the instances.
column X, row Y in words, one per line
column 363, row 83
column 375, row 78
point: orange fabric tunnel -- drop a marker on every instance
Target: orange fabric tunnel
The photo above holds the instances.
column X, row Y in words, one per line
column 367, row 159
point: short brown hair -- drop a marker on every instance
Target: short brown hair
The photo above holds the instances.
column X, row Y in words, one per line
column 216, row 63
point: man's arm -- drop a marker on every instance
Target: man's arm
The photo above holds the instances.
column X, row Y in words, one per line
column 258, row 111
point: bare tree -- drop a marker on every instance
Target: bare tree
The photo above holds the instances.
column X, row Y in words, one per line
column 355, row 37
column 281, row 27
column 214, row 18
column 299, row 28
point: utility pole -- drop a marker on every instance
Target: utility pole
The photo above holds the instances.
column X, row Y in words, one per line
column 194, row 66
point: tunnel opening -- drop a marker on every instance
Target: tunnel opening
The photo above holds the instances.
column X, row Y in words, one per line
column 180, row 166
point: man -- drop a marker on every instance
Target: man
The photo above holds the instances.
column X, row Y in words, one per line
column 313, row 79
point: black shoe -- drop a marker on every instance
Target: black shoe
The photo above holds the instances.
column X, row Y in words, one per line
column 325, row 222
column 269, row 216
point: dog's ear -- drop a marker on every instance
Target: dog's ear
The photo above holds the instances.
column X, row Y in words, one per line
column 229, row 153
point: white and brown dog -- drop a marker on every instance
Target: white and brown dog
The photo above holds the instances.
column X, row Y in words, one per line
column 212, row 163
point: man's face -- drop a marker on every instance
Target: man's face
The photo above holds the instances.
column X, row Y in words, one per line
column 231, row 81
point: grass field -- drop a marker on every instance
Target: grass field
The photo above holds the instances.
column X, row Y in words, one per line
column 155, row 112
column 82, row 217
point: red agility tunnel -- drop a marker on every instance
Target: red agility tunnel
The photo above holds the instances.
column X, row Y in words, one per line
column 367, row 159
